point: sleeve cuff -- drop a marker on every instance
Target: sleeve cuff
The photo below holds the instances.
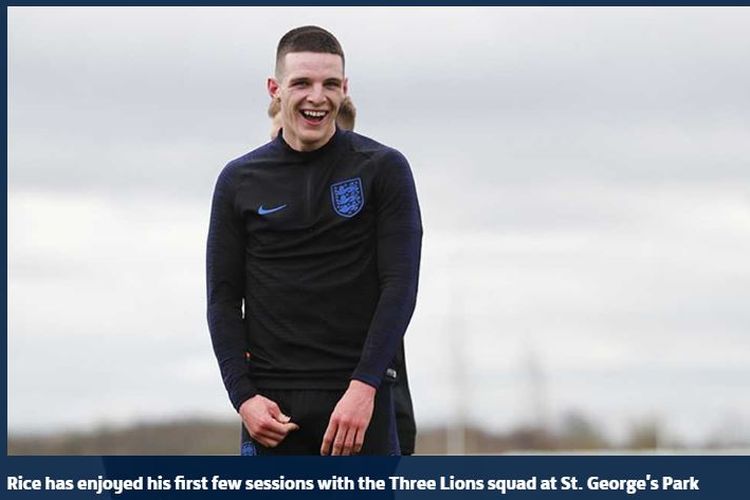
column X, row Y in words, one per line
column 242, row 394
column 367, row 379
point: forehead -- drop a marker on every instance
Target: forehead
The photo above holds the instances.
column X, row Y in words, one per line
column 313, row 64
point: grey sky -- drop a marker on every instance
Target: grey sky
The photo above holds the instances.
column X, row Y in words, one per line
column 584, row 176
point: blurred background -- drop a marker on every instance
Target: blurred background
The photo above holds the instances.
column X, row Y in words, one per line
column 584, row 177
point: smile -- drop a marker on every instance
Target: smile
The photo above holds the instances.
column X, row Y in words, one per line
column 313, row 116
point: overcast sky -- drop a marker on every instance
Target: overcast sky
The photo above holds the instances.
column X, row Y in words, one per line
column 584, row 177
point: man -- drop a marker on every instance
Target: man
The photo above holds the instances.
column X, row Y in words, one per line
column 406, row 427
column 318, row 234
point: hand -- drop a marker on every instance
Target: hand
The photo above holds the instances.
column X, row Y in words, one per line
column 349, row 420
column 265, row 422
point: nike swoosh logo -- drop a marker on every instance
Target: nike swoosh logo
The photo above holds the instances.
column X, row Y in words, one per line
column 266, row 211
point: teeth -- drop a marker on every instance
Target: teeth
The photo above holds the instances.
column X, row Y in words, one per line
column 314, row 114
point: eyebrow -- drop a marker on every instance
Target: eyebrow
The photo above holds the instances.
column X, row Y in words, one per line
column 304, row 79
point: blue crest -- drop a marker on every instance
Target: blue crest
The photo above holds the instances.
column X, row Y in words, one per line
column 348, row 197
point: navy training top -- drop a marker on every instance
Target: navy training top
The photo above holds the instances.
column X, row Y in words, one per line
column 322, row 248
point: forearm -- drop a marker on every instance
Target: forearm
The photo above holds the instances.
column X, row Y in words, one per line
column 399, row 263
column 228, row 339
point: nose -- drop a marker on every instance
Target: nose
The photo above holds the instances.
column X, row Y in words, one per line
column 316, row 95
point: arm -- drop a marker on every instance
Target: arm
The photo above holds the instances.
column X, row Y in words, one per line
column 399, row 240
column 225, row 274
column 399, row 243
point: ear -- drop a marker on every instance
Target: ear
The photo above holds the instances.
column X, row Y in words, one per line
column 345, row 86
column 273, row 87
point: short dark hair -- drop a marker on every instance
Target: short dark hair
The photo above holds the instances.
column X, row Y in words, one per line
column 307, row 39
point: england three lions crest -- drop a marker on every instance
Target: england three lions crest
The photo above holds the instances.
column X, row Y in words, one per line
column 348, row 197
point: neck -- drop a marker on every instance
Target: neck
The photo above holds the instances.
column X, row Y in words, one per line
column 305, row 147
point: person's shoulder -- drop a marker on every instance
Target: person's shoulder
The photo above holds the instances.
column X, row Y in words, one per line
column 247, row 162
column 372, row 148
column 254, row 158
column 363, row 144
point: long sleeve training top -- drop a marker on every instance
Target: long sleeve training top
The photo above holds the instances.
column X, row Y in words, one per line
column 312, row 265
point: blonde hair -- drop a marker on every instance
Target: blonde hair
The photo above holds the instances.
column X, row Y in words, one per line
column 347, row 114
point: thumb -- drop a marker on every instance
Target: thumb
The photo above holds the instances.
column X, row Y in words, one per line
column 284, row 419
column 273, row 410
column 277, row 414
column 291, row 426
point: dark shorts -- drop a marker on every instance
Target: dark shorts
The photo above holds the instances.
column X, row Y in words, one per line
column 311, row 410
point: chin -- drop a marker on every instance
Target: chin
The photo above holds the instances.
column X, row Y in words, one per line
column 316, row 135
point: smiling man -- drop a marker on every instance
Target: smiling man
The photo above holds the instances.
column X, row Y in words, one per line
column 318, row 235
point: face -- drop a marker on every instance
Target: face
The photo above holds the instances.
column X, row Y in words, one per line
column 310, row 87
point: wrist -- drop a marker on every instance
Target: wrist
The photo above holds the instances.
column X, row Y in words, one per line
column 247, row 402
column 362, row 388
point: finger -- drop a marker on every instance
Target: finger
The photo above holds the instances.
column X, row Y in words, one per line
column 338, row 441
column 267, row 434
column 269, row 429
column 290, row 427
column 266, row 442
column 281, row 417
column 271, row 434
column 270, row 440
column 325, row 448
column 277, row 427
column 359, row 440
column 259, row 432
column 273, row 409
column 349, row 442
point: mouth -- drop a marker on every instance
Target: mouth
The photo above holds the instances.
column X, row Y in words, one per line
column 313, row 116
